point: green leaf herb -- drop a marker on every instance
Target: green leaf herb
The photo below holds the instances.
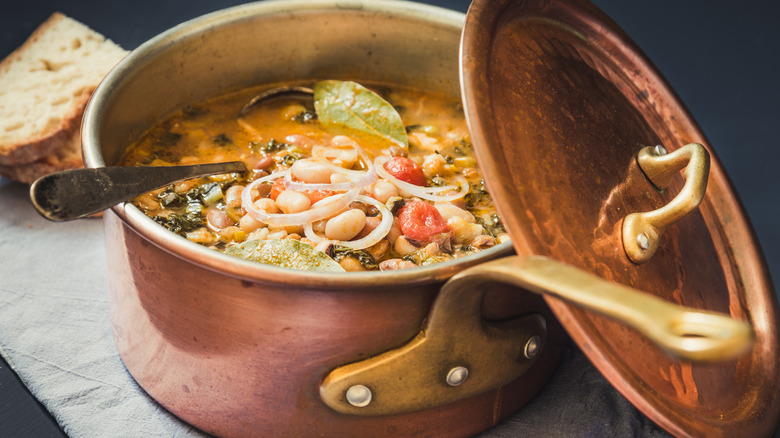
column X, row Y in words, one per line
column 349, row 106
column 285, row 253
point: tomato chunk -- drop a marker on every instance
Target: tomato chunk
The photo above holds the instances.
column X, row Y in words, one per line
column 406, row 170
column 277, row 188
column 318, row 195
column 314, row 195
column 420, row 221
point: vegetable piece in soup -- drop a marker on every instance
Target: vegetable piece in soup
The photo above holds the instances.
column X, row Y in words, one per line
column 351, row 179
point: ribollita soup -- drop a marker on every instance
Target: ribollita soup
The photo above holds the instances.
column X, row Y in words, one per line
column 349, row 178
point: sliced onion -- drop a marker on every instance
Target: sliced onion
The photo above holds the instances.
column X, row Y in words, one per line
column 357, row 178
column 370, row 239
column 325, row 151
column 429, row 193
column 300, row 186
column 320, row 210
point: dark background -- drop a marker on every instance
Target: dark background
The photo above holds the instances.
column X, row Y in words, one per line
column 721, row 57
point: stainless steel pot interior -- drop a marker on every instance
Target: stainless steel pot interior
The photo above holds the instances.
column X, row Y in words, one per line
column 265, row 43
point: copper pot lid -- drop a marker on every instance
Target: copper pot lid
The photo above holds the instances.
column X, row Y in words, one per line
column 559, row 103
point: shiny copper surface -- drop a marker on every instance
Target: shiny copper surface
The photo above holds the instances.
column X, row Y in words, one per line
column 239, row 348
column 238, row 358
column 559, row 104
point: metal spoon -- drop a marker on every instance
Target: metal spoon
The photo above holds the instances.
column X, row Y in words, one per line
column 274, row 92
column 73, row 194
column 77, row 193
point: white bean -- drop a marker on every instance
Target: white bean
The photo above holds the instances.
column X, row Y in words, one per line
column 248, row 223
column 290, row 201
column 267, row 205
column 233, row 196
column 379, row 249
column 281, row 234
column 351, row 265
column 371, row 223
column 201, row 235
column 259, row 234
column 463, row 232
column 434, row 164
column 311, row 172
column 403, row 246
column 319, row 226
column 346, row 159
column 346, row 225
column 218, row 219
column 232, row 233
column 392, row 264
column 342, row 140
column 383, row 190
column 448, row 210
column 394, row 232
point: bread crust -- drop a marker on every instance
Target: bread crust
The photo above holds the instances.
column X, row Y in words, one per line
column 51, row 139
column 49, row 143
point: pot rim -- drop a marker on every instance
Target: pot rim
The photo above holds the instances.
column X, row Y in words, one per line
column 233, row 266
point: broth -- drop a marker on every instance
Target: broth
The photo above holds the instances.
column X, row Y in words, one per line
column 343, row 184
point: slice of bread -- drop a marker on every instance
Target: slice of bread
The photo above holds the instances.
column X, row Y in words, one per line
column 44, row 86
column 67, row 157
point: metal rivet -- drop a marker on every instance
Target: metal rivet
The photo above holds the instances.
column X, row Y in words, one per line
column 660, row 150
column 532, row 346
column 457, row 375
column 359, row 396
column 643, row 241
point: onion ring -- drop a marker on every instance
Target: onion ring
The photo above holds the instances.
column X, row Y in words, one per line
column 370, row 239
column 357, row 178
column 323, row 210
column 429, row 193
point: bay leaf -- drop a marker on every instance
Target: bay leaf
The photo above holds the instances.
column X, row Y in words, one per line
column 349, row 106
column 285, row 253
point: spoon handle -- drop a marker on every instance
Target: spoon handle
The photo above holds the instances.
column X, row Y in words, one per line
column 77, row 193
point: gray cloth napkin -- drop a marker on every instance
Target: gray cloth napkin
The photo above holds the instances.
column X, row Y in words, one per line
column 55, row 332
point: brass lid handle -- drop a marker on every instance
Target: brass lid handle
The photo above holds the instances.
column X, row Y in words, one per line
column 684, row 332
column 642, row 231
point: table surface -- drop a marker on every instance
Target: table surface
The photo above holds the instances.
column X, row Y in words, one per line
column 720, row 57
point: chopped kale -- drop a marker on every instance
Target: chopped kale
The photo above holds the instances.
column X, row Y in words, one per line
column 447, row 159
column 289, row 159
column 394, row 204
column 271, row 146
column 305, row 116
column 208, row 193
column 478, row 195
column 170, row 199
column 181, row 224
column 437, row 181
column 492, row 225
column 339, row 253
column 166, row 140
column 410, row 258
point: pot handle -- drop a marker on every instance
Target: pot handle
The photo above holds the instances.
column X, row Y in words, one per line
column 642, row 231
column 458, row 355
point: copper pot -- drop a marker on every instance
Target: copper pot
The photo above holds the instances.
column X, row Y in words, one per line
column 240, row 349
column 235, row 347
